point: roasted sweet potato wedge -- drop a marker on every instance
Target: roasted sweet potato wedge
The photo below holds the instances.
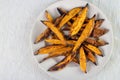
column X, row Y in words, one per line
column 56, row 41
column 57, row 20
column 77, row 24
column 75, row 59
column 98, row 23
column 85, row 33
column 55, row 30
column 60, row 65
column 48, row 49
column 48, row 16
column 90, row 55
column 94, row 49
column 82, row 60
column 101, row 42
column 43, row 35
column 95, row 42
column 63, row 11
column 57, row 52
column 68, row 16
column 97, row 32
column 47, row 31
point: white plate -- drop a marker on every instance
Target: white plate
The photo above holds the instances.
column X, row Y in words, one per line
column 72, row 72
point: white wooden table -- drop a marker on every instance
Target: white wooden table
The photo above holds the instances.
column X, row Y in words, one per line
column 16, row 21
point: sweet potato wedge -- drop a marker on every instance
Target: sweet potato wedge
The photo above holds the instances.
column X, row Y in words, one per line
column 94, row 49
column 47, row 31
column 68, row 16
column 101, row 42
column 56, row 41
column 97, row 32
column 77, row 24
column 57, row 52
column 48, row 16
column 85, row 33
column 60, row 65
column 43, row 35
column 95, row 42
column 63, row 11
column 57, row 20
column 55, row 30
column 98, row 23
column 82, row 60
column 90, row 55
column 75, row 59
column 48, row 49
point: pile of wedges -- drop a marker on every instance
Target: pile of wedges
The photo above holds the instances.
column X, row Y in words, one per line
column 73, row 35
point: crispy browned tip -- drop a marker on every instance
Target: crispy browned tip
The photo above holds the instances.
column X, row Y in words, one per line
column 35, row 42
column 42, row 21
column 43, row 60
column 87, row 5
column 102, row 55
column 46, row 11
column 94, row 16
column 53, row 69
column 85, row 72
column 102, row 20
column 106, row 43
column 50, row 69
column 36, row 52
column 56, row 68
column 106, row 30
column 98, row 23
column 61, row 11
column 95, row 63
